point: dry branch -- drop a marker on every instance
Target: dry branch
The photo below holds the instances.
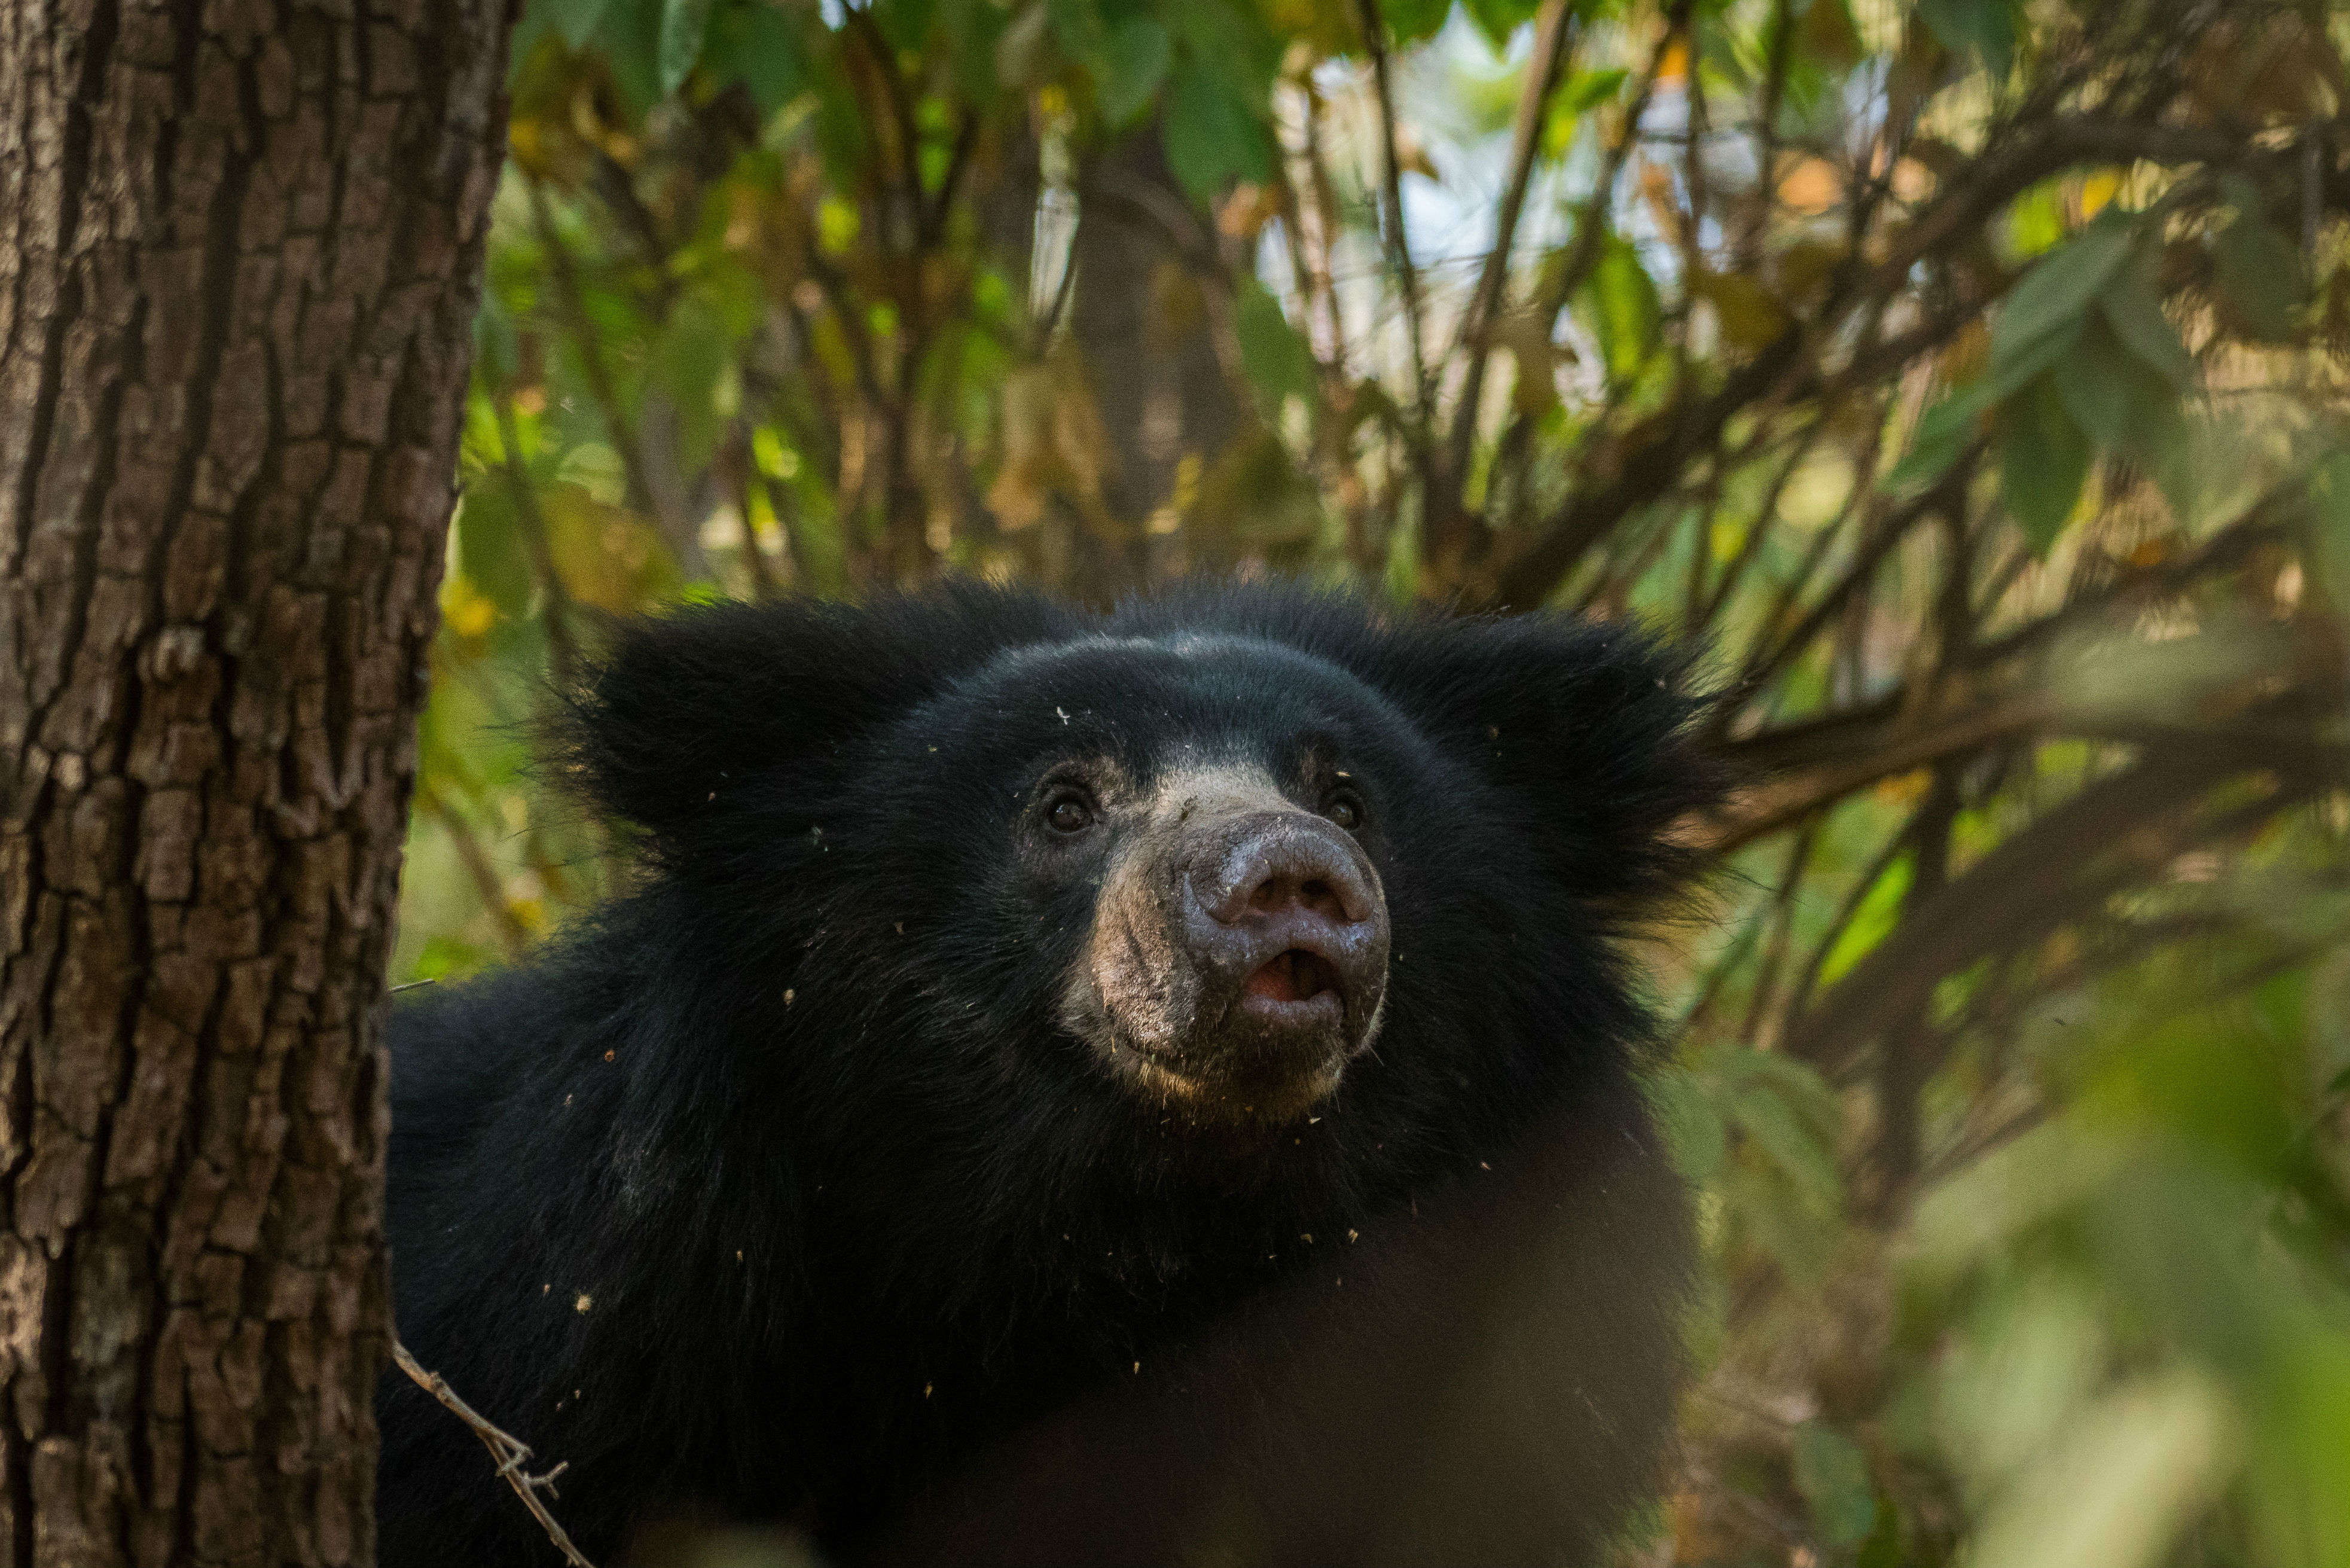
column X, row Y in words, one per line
column 511, row 1453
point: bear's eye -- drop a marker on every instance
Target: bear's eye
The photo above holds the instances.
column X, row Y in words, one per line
column 1070, row 813
column 1345, row 810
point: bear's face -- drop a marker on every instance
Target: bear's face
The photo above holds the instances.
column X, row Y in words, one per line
column 1193, row 829
column 1270, row 877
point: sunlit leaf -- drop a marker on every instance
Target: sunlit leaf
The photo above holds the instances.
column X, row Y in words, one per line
column 1878, row 911
column 1623, row 307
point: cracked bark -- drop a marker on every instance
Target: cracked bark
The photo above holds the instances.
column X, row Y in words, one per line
column 240, row 247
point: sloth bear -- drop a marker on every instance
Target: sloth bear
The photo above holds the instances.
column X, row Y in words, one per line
column 1149, row 1086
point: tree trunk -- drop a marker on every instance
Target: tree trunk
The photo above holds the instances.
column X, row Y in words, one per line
column 239, row 248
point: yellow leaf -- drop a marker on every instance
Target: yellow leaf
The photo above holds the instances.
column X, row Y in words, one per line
column 466, row 611
column 2098, row 187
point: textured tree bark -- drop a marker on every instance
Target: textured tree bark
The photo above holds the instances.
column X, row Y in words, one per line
column 239, row 248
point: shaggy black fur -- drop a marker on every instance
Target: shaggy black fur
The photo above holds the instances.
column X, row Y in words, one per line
column 776, row 1190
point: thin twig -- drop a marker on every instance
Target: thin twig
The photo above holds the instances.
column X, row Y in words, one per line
column 1552, row 32
column 563, row 652
column 514, row 936
column 587, row 340
column 1375, row 41
column 511, row 1453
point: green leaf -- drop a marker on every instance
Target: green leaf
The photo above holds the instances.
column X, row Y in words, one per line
column 1833, row 1475
column 1986, row 28
column 906, row 24
column 2124, row 403
column 1211, row 134
column 684, row 24
column 575, row 19
column 1497, row 19
column 2059, row 288
column 1412, row 20
column 756, row 43
column 1691, row 1123
column 2133, row 308
column 1942, row 433
column 1879, row 909
column 1276, row 359
column 1586, row 90
column 1623, row 308
column 2260, row 274
column 2043, row 459
column 628, row 34
column 2329, row 557
column 1129, row 66
column 1783, row 1120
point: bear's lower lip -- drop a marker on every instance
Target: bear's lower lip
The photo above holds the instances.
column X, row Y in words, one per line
column 1292, row 977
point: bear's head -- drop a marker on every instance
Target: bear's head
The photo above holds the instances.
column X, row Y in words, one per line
column 1227, row 863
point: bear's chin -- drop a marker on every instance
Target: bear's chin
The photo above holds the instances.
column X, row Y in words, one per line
column 1239, row 1102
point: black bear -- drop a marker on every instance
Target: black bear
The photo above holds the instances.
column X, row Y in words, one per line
column 1179, row 1057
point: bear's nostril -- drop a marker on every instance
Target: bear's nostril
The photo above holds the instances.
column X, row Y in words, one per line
column 1280, row 892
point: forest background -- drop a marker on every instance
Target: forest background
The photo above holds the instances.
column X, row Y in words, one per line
column 1966, row 375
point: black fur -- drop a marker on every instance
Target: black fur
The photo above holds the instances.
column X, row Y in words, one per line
column 775, row 1190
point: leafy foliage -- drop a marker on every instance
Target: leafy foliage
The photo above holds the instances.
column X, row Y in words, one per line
column 1967, row 374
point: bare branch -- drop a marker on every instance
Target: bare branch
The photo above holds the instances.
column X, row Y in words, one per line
column 510, row 1452
column 562, row 650
column 1553, row 30
column 1398, row 245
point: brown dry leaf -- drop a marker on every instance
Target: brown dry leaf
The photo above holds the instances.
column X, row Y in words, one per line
column 1809, row 185
column 1657, row 190
column 1053, row 442
column 1411, row 154
column 1246, row 210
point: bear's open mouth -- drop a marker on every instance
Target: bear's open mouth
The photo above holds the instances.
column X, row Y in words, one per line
column 1293, row 976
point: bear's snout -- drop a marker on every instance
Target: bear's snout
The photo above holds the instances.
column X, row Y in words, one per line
column 1239, row 957
column 1285, row 910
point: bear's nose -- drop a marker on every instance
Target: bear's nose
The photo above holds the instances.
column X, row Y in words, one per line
column 1287, row 906
column 1278, row 863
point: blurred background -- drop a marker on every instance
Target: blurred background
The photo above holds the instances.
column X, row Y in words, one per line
column 1967, row 375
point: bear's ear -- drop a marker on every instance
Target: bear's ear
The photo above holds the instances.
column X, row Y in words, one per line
column 680, row 704
column 1589, row 727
